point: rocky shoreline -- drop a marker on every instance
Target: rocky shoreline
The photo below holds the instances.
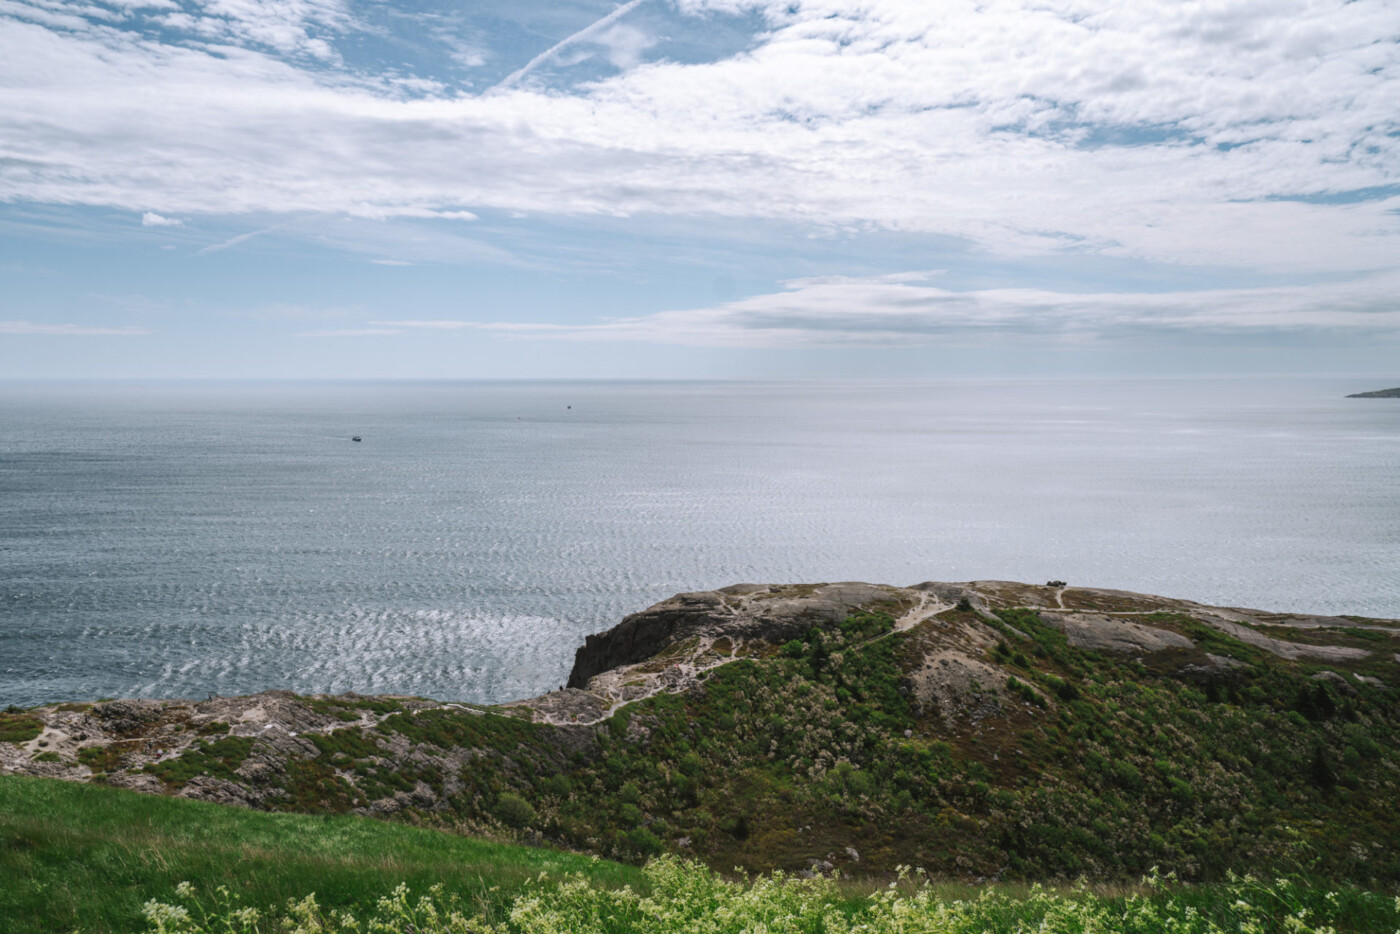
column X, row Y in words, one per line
column 973, row 664
column 668, row 648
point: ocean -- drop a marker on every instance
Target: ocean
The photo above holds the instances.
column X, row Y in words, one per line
column 183, row 539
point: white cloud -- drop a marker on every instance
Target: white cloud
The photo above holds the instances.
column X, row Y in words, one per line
column 1176, row 133
column 592, row 32
column 287, row 26
column 905, row 309
column 152, row 219
column 67, row 330
column 624, row 45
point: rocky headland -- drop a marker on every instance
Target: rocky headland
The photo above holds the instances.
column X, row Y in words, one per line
column 984, row 728
column 1377, row 394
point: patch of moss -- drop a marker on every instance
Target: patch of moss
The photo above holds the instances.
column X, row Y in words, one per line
column 447, row 729
column 348, row 708
column 103, row 759
column 344, row 745
column 19, row 727
column 219, row 759
column 312, row 786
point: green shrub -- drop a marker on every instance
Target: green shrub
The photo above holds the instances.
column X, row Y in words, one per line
column 514, row 811
column 642, row 842
column 557, row 786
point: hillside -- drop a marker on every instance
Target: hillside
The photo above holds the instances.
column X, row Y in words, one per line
column 989, row 729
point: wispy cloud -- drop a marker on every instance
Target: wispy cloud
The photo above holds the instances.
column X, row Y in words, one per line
column 593, row 29
column 900, row 310
column 233, row 241
column 68, row 330
column 1157, row 131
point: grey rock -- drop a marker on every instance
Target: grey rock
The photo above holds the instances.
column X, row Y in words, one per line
column 1111, row 634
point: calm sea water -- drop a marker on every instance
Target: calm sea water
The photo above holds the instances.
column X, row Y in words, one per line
column 182, row 539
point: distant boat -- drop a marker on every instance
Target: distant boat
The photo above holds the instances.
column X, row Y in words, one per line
column 355, row 438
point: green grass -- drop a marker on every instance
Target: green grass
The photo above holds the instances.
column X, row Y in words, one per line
column 86, row 858
column 89, row 858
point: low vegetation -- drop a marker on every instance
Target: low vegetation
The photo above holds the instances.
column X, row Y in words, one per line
column 1094, row 764
column 979, row 746
column 86, row 858
column 686, row 898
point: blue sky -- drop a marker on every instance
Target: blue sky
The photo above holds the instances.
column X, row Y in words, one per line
column 698, row 188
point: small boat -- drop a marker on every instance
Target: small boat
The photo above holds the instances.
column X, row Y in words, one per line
column 355, row 438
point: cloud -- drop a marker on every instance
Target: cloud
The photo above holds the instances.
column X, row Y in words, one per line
column 298, row 27
column 1190, row 134
column 594, row 31
column 68, row 330
column 152, row 219
column 232, row 241
column 624, row 45
column 905, row 309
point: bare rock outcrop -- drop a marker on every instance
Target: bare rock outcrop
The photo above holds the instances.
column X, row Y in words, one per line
column 742, row 612
column 1103, row 633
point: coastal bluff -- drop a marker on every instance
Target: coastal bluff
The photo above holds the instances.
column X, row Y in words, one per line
column 980, row 728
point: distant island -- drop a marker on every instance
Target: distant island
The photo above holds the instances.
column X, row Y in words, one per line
column 1377, row 394
column 987, row 729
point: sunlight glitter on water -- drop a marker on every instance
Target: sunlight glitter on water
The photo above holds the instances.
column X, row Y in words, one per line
column 179, row 540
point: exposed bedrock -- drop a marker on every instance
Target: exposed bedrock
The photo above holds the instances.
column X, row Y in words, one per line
column 743, row 612
column 1091, row 618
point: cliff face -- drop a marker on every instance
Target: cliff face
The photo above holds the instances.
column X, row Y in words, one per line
column 969, row 728
column 742, row 612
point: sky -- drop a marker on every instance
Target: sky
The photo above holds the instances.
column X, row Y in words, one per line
column 699, row 188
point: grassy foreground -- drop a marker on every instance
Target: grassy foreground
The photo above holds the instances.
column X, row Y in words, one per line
column 87, row 858
column 94, row 860
column 685, row 897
